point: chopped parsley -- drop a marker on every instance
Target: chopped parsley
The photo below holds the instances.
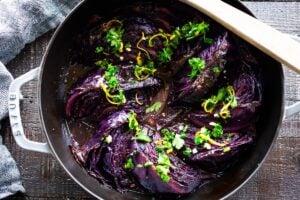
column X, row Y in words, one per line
column 102, row 63
column 217, row 131
column 192, row 30
column 142, row 136
column 167, row 134
column 165, row 55
column 110, row 76
column 128, row 46
column 178, row 142
column 163, row 167
column 132, row 121
column 154, row 108
column 187, row 151
column 225, row 97
column 143, row 72
column 129, row 164
column 197, row 65
column 167, row 145
column 175, row 38
column 217, row 70
column 113, row 83
column 110, row 71
column 133, row 124
column 119, row 97
column 99, row 49
column 185, row 128
column 229, row 137
column 113, row 96
column 207, row 40
column 163, row 159
column 204, row 136
column 163, row 171
column 183, row 136
column 114, row 38
column 166, row 142
column 198, row 139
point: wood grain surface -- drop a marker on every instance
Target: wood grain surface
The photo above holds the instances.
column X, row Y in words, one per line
column 278, row 178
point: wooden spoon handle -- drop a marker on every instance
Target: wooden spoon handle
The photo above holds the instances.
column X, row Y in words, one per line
column 274, row 43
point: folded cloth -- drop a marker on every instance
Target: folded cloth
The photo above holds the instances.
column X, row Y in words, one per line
column 21, row 21
column 9, row 173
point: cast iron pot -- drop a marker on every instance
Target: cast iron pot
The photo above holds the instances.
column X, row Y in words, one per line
column 51, row 108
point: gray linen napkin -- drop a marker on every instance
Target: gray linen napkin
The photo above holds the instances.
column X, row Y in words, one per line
column 9, row 173
column 21, row 21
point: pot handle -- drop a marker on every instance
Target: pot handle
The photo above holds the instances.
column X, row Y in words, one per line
column 295, row 108
column 291, row 110
column 14, row 98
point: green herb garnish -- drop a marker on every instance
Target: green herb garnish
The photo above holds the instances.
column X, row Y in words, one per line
column 128, row 46
column 102, row 63
column 133, row 124
column 187, row 151
column 178, row 142
column 163, row 172
column 154, row 108
column 110, row 77
column 113, row 83
column 198, row 139
column 144, row 72
column 165, row 55
column 129, row 164
column 197, row 65
column 110, row 71
column 183, row 136
column 163, row 159
column 114, row 38
column 217, row 70
column 185, row 128
column 207, row 40
column 166, row 146
column 142, row 136
column 132, row 121
column 229, row 137
column 192, row 30
column 99, row 49
column 217, row 131
column 119, row 97
column 226, row 96
column 163, row 167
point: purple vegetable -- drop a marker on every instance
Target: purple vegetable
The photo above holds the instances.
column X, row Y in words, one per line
column 216, row 158
column 91, row 83
column 249, row 96
column 183, row 178
column 87, row 94
column 107, row 125
column 193, row 90
column 113, row 158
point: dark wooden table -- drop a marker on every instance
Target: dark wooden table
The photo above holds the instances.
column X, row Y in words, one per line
column 278, row 178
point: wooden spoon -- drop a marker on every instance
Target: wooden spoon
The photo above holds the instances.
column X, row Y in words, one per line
column 274, row 43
